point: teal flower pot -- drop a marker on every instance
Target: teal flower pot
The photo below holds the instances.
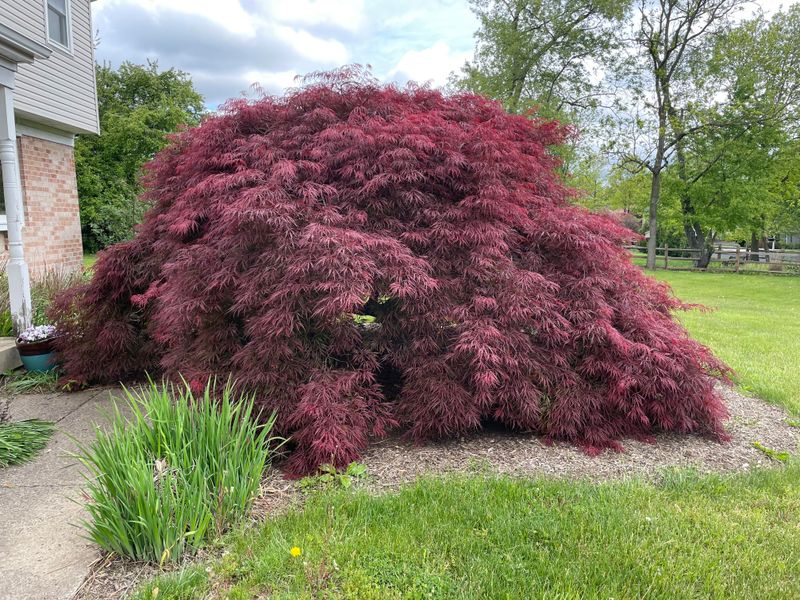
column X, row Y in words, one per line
column 39, row 363
column 37, row 357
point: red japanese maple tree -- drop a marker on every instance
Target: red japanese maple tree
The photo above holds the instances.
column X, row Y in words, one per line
column 279, row 225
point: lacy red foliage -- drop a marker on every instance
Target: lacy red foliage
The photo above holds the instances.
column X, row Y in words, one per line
column 493, row 297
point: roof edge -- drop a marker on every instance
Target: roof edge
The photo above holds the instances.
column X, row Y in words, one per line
column 19, row 48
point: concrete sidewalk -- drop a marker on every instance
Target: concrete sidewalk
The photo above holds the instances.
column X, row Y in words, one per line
column 42, row 553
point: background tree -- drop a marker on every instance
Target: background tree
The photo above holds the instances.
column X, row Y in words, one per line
column 730, row 135
column 139, row 105
column 785, row 186
column 663, row 74
column 539, row 53
column 731, row 176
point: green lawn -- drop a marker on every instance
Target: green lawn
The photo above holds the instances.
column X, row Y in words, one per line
column 477, row 537
column 89, row 260
column 755, row 328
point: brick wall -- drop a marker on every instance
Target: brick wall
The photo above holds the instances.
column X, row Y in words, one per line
column 52, row 231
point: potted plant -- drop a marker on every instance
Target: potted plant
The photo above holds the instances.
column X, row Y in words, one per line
column 35, row 346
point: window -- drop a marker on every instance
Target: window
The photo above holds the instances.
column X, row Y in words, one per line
column 58, row 21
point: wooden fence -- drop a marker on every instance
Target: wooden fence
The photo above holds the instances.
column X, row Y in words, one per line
column 724, row 258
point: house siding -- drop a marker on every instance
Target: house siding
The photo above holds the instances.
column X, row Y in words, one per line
column 58, row 91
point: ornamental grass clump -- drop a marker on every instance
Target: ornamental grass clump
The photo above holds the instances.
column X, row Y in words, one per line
column 21, row 441
column 362, row 258
column 175, row 473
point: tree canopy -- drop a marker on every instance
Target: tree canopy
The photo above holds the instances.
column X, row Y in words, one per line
column 538, row 54
column 139, row 107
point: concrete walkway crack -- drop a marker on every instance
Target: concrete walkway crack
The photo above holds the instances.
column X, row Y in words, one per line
column 81, row 405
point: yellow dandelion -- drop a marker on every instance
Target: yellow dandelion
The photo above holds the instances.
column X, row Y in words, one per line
column 295, row 551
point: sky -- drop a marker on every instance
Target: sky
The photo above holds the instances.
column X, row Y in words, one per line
column 229, row 45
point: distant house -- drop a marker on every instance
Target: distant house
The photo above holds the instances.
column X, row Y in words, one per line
column 47, row 95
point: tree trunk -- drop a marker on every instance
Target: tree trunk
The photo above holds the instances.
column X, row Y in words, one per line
column 695, row 235
column 664, row 108
column 754, row 247
column 655, row 191
column 701, row 242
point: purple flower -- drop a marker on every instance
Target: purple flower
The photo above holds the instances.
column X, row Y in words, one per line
column 37, row 333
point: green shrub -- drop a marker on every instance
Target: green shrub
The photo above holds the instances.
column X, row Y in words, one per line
column 23, row 440
column 176, row 473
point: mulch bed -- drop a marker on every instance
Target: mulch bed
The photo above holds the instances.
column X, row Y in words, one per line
column 393, row 462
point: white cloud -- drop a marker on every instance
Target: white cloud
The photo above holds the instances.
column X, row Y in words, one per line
column 271, row 82
column 434, row 64
column 344, row 14
column 327, row 51
column 229, row 14
column 405, row 19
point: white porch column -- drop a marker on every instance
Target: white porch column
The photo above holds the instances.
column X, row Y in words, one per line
column 19, row 285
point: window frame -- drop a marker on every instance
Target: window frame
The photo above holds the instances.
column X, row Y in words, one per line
column 68, row 16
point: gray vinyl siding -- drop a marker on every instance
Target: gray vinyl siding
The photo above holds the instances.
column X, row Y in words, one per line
column 58, row 91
